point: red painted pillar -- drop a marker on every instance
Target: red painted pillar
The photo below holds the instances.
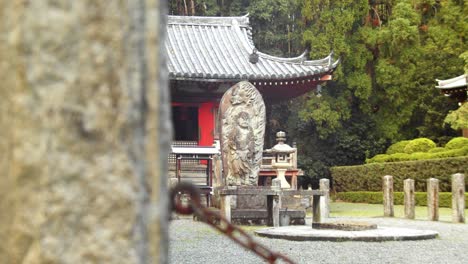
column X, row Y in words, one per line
column 206, row 123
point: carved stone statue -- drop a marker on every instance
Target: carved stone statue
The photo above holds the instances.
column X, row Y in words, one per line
column 242, row 119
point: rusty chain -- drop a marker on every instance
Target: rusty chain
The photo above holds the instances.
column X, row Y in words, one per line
column 235, row 233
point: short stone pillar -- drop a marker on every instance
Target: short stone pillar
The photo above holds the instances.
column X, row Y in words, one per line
column 316, row 215
column 408, row 188
column 274, row 204
column 225, row 206
column 458, row 198
column 388, row 195
column 325, row 199
column 433, row 199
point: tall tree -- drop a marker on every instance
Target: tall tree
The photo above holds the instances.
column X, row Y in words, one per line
column 391, row 53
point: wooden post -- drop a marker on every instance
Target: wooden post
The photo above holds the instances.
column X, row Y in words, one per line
column 388, row 195
column 458, row 198
column 325, row 200
column 433, row 199
column 409, row 198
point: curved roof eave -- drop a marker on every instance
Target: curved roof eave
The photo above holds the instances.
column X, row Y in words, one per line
column 457, row 82
column 226, row 55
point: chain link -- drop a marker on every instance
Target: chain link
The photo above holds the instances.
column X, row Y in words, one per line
column 194, row 206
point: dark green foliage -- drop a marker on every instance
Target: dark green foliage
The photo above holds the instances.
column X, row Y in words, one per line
column 391, row 52
column 369, row 177
column 445, row 198
column 275, row 28
column 419, row 145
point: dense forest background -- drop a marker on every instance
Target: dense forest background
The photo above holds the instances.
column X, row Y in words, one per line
column 391, row 52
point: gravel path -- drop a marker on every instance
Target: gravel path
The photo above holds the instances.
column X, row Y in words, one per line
column 195, row 242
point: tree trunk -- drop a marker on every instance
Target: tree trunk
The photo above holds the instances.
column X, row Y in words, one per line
column 82, row 118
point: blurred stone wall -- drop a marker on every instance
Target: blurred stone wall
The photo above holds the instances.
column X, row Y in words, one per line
column 80, row 132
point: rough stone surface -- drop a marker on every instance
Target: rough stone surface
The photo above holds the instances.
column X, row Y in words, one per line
column 242, row 119
column 387, row 186
column 305, row 233
column 345, row 226
column 433, row 199
column 79, row 128
column 325, row 199
column 409, row 199
column 458, row 198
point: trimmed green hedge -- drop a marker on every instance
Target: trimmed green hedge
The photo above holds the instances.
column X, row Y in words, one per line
column 422, row 149
column 419, row 145
column 435, row 153
column 368, row 177
column 445, row 198
column 398, row 147
column 456, row 143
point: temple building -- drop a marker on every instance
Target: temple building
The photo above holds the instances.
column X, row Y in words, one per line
column 457, row 89
column 207, row 55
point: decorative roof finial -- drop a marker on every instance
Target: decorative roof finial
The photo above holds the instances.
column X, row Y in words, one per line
column 280, row 137
column 253, row 57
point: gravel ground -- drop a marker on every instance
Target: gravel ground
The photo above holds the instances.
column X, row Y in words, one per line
column 196, row 242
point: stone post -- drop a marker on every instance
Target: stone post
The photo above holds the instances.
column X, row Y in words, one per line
column 458, row 198
column 325, row 199
column 433, row 199
column 276, row 184
column 85, row 132
column 316, row 215
column 408, row 187
column 388, row 195
column 225, row 206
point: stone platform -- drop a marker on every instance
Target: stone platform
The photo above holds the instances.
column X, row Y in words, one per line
column 307, row 233
column 260, row 216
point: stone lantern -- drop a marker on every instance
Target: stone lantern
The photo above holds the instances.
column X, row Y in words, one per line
column 282, row 161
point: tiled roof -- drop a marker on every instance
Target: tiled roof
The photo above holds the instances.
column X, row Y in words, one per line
column 221, row 48
column 457, row 82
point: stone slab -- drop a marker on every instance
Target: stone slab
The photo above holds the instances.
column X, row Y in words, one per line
column 306, row 233
column 262, row 213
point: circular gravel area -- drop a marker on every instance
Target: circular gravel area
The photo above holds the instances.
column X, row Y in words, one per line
column 307, row 233
column 196, row 242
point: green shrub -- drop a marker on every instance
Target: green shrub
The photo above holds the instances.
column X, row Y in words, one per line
column 378, row 158
column 445, row 198
column 419, row 145
column 369, row 176
column 437, row 149
column 420, row 156
column 422, row 149
column 398, row 147
column 457, row 143
column 398, row 157
column 450, row 153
